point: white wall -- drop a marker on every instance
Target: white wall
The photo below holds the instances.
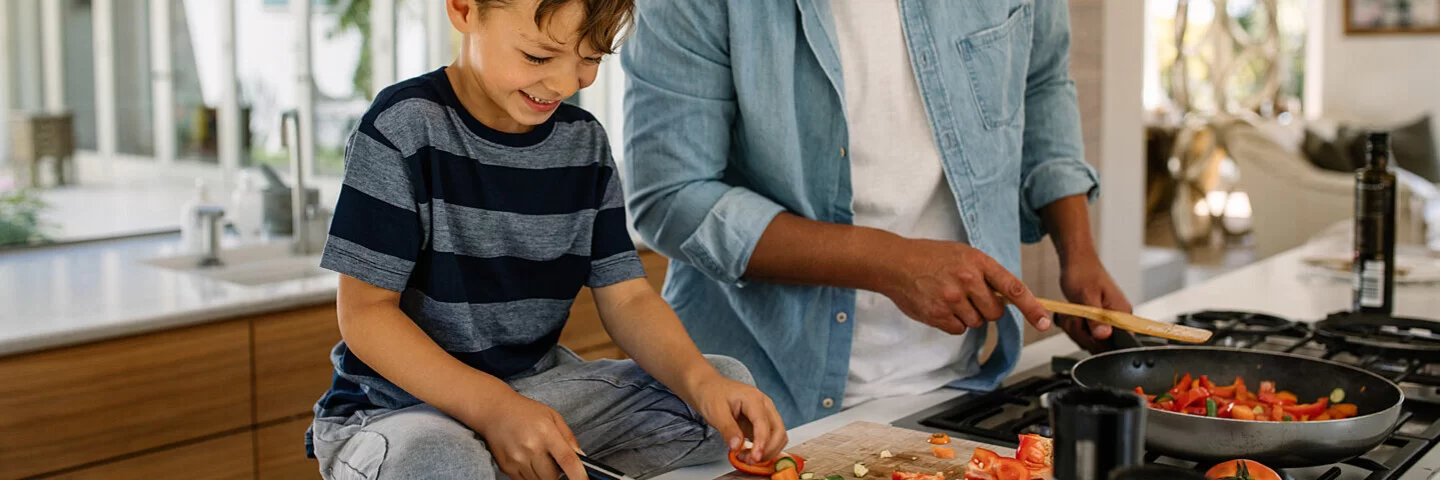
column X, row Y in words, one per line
column 1382, row 79
column 1122, row 146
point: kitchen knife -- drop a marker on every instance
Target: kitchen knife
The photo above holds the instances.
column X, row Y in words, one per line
column 600, row 471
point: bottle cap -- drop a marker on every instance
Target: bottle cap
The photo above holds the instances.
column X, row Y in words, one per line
column 1377, row 148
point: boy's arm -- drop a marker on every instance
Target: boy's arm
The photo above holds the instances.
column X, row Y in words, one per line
column 645, row 327
column 381, row 335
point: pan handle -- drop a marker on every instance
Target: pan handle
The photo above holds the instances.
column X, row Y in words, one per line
column 1120, row 340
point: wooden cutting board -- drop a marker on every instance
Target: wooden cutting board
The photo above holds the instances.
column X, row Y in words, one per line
column 836, row 453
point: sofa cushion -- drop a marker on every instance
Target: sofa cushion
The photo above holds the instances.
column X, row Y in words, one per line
column 1412, row 146
column 1328, row 153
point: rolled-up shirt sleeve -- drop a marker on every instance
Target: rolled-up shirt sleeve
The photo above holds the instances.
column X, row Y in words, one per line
column 1053, row 157
column 679, row 110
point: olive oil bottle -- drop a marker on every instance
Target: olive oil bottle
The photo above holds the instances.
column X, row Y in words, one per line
column 1374, row 256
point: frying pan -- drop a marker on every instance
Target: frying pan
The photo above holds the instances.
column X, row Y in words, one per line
column 1277, row 444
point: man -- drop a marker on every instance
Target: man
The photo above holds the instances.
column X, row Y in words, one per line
column 844, row 185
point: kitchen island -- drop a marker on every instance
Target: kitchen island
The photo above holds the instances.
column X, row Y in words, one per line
column 1280, row 285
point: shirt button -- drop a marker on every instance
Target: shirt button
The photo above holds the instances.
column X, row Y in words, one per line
column 841, row 317
column 828, row 403
column 842, row 152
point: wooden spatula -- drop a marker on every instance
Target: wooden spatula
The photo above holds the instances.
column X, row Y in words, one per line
column 1125, row 321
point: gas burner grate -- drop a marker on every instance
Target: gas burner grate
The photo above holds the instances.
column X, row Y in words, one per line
column 1407, row 340
column 1247, row 324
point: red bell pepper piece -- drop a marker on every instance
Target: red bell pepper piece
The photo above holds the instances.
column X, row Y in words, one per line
column 1308, row 409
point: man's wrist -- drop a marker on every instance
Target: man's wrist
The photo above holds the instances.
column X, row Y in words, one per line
column 1077, row 253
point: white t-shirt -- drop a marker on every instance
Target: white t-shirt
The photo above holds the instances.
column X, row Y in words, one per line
column 898, row 186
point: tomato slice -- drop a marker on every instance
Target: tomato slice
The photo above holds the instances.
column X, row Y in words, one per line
column 763, row 469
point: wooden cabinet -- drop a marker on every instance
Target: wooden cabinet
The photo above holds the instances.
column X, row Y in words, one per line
column 223, row 400
column 280, row 450
column 229, row 457
column 72, row 406
column 292, row 360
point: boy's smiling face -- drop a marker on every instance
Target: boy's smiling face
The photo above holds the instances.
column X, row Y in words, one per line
column 512, row 74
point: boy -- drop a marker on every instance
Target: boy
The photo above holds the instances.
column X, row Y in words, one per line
column 475, row 205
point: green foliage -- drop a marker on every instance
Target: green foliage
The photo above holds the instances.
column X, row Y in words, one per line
column 355, row 15
column 20, row 218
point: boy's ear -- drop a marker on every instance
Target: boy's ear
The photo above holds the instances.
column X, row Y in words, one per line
column 461, row 13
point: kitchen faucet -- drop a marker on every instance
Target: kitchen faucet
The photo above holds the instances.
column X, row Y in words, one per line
column 300, row 211
column 210, row 230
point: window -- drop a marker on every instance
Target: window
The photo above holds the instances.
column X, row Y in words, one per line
column 1248, row 56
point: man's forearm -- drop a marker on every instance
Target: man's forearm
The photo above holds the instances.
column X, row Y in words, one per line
column 1068, row 221
column 797, row 250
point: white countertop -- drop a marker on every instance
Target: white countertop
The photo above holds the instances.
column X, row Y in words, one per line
column 1281, row 285
column 71, row 294
column 78, row 293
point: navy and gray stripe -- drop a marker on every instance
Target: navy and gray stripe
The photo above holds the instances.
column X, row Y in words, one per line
column 488, row 236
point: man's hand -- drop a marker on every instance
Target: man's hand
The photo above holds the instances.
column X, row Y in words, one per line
column 740, row 411
column 530, row 441
column 1086, row 282
column 951, row 286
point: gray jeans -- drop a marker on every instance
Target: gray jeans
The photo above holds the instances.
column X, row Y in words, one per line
column 621, row 415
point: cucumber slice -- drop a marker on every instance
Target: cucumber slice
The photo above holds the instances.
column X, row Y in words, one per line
column 784, row 463
column 1337, row 395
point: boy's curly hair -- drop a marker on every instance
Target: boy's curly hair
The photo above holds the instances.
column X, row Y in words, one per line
column 604, row 19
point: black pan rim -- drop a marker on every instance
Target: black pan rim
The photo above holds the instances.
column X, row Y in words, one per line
column 1388, row 410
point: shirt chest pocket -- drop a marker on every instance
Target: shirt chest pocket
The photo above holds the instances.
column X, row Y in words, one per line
column 997, row 60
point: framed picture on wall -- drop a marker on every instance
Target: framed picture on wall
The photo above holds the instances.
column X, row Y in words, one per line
column 1372, row 17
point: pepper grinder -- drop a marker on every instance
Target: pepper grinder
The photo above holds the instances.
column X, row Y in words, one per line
column 1097, row 432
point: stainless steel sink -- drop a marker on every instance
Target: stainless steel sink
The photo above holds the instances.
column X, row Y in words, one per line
column 250, row 265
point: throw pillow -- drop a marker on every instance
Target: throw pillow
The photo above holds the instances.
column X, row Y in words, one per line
column 1412, row 146
column 1325, row 153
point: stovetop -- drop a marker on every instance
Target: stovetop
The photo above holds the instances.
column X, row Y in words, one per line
column 1405, row 351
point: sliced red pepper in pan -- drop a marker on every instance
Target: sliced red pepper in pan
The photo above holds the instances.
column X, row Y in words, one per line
column 1309, row 409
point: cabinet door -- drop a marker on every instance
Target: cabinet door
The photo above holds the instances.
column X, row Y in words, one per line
column 225, row 458
column 281, row 450
column 292, row 360
column 70, row 406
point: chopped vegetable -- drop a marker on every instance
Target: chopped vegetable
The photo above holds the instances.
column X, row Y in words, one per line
column 940, row 439
column 861, row 470
column 763, row 469
column 886, row 454
column 1201, row 396
column 786, row 474
column 1241, row 470
column 1037, row 453
column 807, row 476
column 942, row 452
column 784, row 463
column 988, row 465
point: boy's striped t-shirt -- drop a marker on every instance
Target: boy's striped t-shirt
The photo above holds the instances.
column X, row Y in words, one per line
column 488, row 236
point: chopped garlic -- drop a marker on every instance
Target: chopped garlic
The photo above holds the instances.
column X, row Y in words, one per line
column 860, row 470
column 886, row 454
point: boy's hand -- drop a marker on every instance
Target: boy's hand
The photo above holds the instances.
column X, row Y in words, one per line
column 529, row 440
column 738, row 411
